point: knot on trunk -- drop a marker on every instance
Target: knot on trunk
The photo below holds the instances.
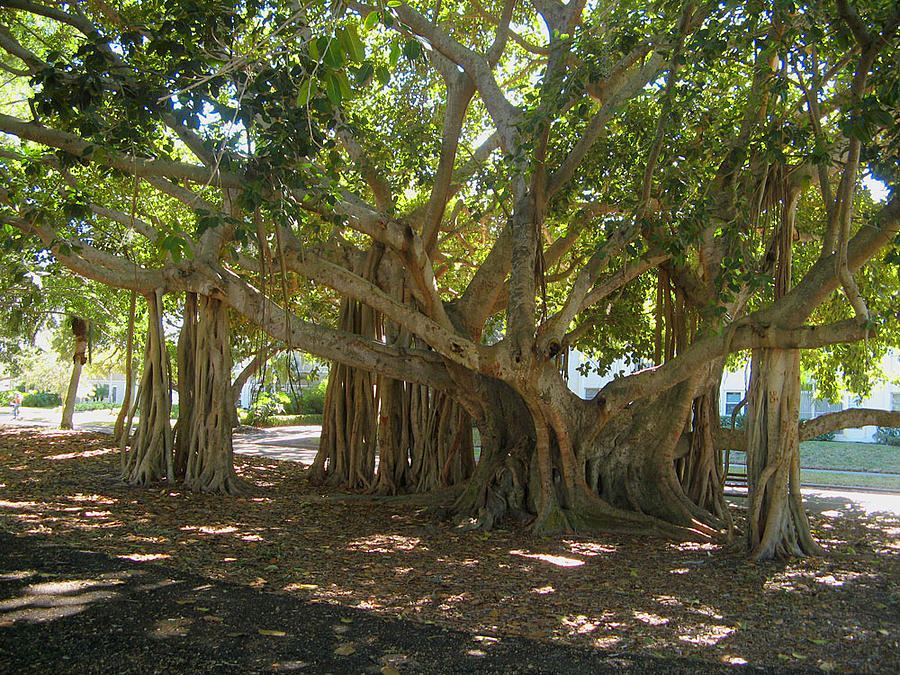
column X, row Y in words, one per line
column 554, row 348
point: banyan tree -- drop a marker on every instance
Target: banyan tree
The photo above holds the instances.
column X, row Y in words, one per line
column 480, row 187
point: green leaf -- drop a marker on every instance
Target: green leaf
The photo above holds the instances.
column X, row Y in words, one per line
column 306, row 92
column 353, row 45
column 412, row 50
column 173, row 245
column 344, row 83
column 333, row 88
column 334, row 55
column 364, row 73
column 394, row 55
column 383, row 75
column 371, row 19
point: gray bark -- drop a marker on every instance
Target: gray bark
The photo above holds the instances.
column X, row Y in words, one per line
column 79, row 358
column 777, row 526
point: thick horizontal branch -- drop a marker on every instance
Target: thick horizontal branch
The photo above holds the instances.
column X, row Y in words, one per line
column 411, row 365
column 92, row 263
column 74, row 145
column 745, row 335
column 731, row 439
column 852, row 418
column 752, row 336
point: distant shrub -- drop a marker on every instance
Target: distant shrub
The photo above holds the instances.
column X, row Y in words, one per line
column 265, row 406
column 6, row 397
column 43, row 399
column 301, row 402
column 96, row 405
column 100, row 393
column 888, row 436
column 725, row 421
column 314, row 399
column 282, row 420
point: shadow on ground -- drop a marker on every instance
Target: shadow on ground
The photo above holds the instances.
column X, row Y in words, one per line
column 69, row 610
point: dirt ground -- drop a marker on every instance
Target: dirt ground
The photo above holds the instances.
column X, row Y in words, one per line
column 361, row 570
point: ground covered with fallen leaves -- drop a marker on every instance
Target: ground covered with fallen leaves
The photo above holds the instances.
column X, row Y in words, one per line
column 619, row 594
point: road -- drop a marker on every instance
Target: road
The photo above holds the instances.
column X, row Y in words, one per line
column 299, row 444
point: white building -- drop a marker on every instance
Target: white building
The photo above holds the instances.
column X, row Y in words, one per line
column 305, row 373
column 735, row 384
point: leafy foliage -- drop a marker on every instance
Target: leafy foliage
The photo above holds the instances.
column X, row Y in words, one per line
column 41, row 399
column 888, row 436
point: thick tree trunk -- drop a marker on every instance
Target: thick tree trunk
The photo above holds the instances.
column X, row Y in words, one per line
column 346, row 453
column 347, row 444
column 210, row 456
column 423, row 438
column 777, row 526
column 701, row 468
column 553, row 460
column 79, row 358
column 187, row 371
column 632, row 464
column 442, row 454
column 499, row 485
column 395, row 430
column 149, row 457
column 119, row 430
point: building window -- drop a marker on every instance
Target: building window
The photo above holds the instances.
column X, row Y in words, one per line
column 895, row 401
column 732, row 398
column 113, row 399
column 590, row 392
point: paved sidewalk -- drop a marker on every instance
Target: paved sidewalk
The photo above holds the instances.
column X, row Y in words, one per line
column 296, row 444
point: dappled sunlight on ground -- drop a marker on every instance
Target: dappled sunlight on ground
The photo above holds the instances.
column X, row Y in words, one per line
column 384, row 543
column 558, row 560
column 48, row 601
column 82, row 455
column 613, row 593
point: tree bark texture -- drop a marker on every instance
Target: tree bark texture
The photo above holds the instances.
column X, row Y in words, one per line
column 346, row 453
column 149, row 457
column 422, row 438
column 701, row 470
column 209, row 465
column 119, row 430
column 777, row 526
column 187, row 370
column 79, row 358
column 564, row 468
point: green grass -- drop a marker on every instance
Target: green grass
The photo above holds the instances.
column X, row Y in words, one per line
column 843, row 456
column 284, row 420
column 850, row 480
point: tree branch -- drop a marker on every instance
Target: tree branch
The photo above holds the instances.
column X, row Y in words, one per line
column 450, row 345
column 852, row 418
column 74, row 145
column 746, row 334
column 411, row 365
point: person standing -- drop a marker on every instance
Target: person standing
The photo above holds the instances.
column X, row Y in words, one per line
column 16, row 404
